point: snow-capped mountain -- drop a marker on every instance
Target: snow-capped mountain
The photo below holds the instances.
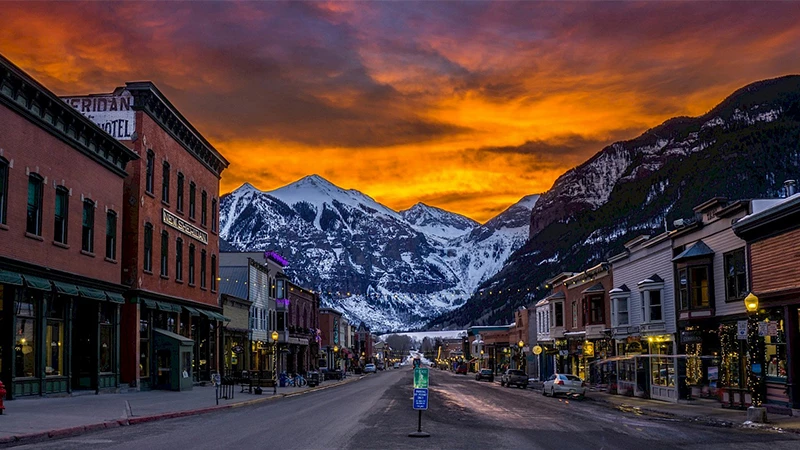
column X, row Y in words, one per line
column 743, row 148
column 394, row 270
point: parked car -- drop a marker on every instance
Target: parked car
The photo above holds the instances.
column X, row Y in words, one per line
column 370, row 368
column 516, row 377
column 461, row 369
column 485, row 374
column 396, row 365
column 564, row 384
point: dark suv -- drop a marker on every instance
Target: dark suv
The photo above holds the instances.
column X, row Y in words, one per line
column 485, row 374
column 516, row 377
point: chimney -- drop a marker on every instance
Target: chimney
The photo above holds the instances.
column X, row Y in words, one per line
column 790, row 187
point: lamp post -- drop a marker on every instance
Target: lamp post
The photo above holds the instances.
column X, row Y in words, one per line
column 274, row 337
column 755, row 350
column 520, row 344
column 335, row 354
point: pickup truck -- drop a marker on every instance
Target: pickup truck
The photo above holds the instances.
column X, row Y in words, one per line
column 516, row 377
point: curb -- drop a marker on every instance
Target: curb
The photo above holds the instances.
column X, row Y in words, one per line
column 81, row 429
column 701, row 420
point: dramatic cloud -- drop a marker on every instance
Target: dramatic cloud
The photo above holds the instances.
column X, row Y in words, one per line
column 467, row 106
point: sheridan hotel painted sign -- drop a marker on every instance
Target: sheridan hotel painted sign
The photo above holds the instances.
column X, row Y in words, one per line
column 184, row 226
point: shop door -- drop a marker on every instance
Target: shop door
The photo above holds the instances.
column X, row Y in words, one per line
column 84, row 349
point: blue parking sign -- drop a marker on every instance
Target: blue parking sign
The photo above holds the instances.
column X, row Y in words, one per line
column 420, row 399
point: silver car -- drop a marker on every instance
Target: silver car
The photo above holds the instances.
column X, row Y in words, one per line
column 564, row 384
column 370, row 368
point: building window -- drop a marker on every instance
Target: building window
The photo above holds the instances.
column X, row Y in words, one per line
column 179, row 259
column 574, row 315
column 213, row 272
column 654, row 311
column 165, row 183
column 54, row 338
column 107, row 337
column 202, row 269
column 693, row 288
column 164, row 253
column 62, row 210
column 151, row 161
column 620, row 311
column 203, row 208
column 191, row 264
column 179, row 200
column 279, row 289
column 148, row 247
column 25, row 336
column 558, row 314
column 87, row 235
column 3, row 189
column 735, row 275
column 35, row 186
column 192, row 194
column 214, row 219
column 111, row 235
column 596, row 309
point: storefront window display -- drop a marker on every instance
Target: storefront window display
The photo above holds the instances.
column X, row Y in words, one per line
column 54, row 339
column 775, row 346
column 662, row 367
column 25, row 335
column 107, row 313
column 144, row 344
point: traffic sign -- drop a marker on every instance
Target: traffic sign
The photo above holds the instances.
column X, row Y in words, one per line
column 420, row 378
column 420, row 399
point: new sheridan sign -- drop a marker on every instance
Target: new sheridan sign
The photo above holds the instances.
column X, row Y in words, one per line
column 184, row 226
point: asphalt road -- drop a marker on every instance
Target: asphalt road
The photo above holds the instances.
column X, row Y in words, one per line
column 376, row 412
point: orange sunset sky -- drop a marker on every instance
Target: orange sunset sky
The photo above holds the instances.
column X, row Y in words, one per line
column 467, row 106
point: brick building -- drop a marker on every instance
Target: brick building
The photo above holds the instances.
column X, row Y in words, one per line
column 170, row 322
column 61, row 203
column 299, row 344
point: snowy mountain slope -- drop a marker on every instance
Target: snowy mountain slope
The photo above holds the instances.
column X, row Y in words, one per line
column 394, row 270
column 743, row 148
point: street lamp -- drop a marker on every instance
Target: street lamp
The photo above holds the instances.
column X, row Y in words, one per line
column 335, row 354
column 755, row 350
column 520, row 344
column 274, row 337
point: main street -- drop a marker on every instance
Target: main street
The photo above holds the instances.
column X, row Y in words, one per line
column 376, row 412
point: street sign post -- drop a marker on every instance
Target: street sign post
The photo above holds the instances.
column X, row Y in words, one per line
column 421, row 382
column 420, row 399
column 421, row 378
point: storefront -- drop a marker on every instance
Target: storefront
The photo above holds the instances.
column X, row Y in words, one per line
column 65, row 336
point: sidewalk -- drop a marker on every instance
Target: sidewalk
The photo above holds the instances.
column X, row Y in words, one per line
column 703, row 411
column 39, row 418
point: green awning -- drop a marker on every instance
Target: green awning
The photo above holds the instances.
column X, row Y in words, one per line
column 37, row 283
column 192, row 311
column 152, row 304
column 7, row 277
column 164, row 306
column 215, row 316
column 92, row 294
column 115, row 298
column 66, row 289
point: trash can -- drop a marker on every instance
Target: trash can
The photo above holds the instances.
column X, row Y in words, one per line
column 313, row 378
column 282, row 380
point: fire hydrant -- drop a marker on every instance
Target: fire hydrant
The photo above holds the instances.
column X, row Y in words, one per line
column 2, row 397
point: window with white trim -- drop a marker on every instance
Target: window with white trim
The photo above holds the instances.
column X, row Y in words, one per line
column 621, row 306
column 556, row 315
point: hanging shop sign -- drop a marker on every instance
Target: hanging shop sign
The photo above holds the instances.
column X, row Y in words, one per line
column 588, row 349
column 537, row 350
column 183, row 226
column 691, row 337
